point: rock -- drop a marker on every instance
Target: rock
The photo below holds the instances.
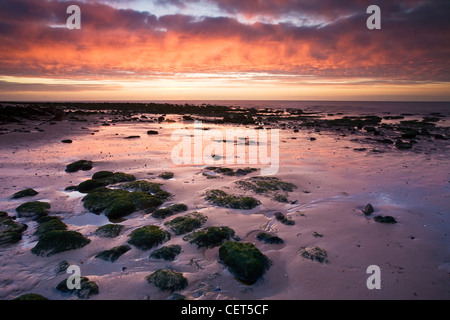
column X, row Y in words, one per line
column 47, row 224
column 66, row 141
column 147, row 237
column 210, row 237
column 57, row 241
column 368, row 209
column 152, row 132
column 222, row 199
column 166, row 175
column 385, row 219
column 167, row 253
column 409, row 133
column 401, row 145
column 33, row 209
column 269, row 238
column 132, row 137
column 109, row 230
column 84, row 165
column 170, row 210
column 114, row 253
column 314, row 253
column 167, row 280
column 87, row 288
column 103, row 179
column 283, row 219
column 187, row 223
column 31, row 296
column 244, row 260
column 10, row 231
column 25, row 193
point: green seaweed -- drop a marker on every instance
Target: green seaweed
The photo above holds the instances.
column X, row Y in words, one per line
column 47, row 224
column 109, row 230
column 167, row 253
column 222, row 199
column 269, row 238
column 57, row 241
column 34, row 209
column 244, row 260
column 186, row 223
column 10, row 231
column 84, row 165
column 166, row 175
column 113, row 254
column 87, row 288
column 170, row 210
column 25, row 193
column 210, row 237
column 168, row 280
column 147, row 237
column 102, row 179
column 283, row 219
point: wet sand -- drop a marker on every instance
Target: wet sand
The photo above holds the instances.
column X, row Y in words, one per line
column 334, row 183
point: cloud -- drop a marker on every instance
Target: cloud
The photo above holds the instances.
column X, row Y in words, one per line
column 115, row 43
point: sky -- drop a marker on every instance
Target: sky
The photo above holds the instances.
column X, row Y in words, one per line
column 224, row 50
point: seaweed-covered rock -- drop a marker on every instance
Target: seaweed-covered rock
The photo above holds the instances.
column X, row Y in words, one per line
column 222, row 199
column 167, row 280
column 148, row 187
column 103, row 179
column 262, row 185
column 315, row 254
column 167, row 253
column 56, row 241
column 113, row 254
column 10, row 231
column 166, row 175
column 401, row 145
column 87, row 288
column 84, row 165
column 385, row 219
column 210, row 237
column 31, row 296
column 269, row 238
column 25, row 193
column 116, row 203
column 283, row 219
column 33, row 209
column 152, row 132
column 147, row 237
column 47, row 224
column 186, row 223
column 109, row 230
column 170, row 210
column 244, row 260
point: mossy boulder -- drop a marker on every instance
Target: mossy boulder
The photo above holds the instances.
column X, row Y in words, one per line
column 25, row 193
column 148, row 187
column 269, row 238
column 167, row 253
column 57, row 241
column 116, row 203
column 222, row 199
column 170, row 210
column 186, row 223
column 147, row 237
column 47, row 224
column 314, row 253
column 103, row 179
column 265, row 185
column 244, row 260
column 84, row 165
column 10, row 231
column 87, row 288
column 114, row 253
column 31, row 296
column 167, row 280
column 283, row 219
column 33, row 209
column 109, row 230
column 210, row 237
column 166, row 175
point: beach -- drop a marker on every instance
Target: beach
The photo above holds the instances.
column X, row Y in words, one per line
column 337, row 169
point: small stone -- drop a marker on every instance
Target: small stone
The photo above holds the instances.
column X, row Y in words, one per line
column 368, row 209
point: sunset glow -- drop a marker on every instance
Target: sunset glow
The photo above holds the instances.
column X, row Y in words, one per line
column 224, row 49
